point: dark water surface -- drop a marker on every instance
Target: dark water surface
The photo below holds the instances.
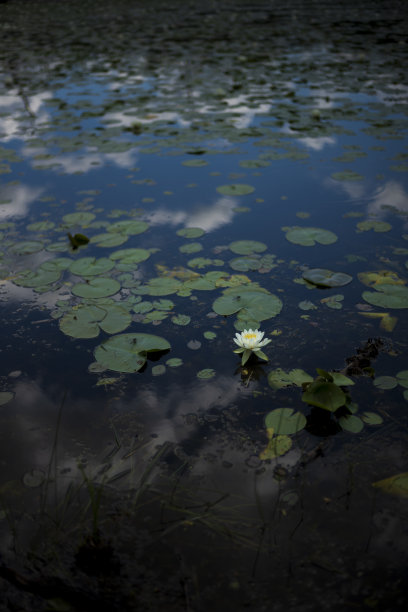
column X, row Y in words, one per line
column 234, row 147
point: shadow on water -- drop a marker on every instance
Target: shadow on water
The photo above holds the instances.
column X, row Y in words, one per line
column 172, row 174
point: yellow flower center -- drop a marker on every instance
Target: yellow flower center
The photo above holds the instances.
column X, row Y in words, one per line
column 250, row 336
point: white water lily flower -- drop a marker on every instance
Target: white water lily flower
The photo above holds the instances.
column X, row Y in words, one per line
column 251, row 340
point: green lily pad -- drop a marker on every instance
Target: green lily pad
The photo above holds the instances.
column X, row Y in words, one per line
column 158, row 370
column 245, row 264
column 128, row 227
column 142, row 307
column 387, row 296
column 43, row 276
column 191, row 247
column 247, row 247
column 174, row 362
column 377, row 226
column 341, row 380
column 26, row 247
column 91, row 266
column 181, row 319
column 237, row 189
column 385, row 382
column 278, row 379
column 96, row 288
column 41, row 226
column 206, row 373
column 200, row 284
column 82, row 321
column 204, row 262
column 285, row 421
column 325, row 395
column 79, row 218
column 254, row 163
column 371, row 418
column 254, row 305
column 308, row 236
column 190, row 232
column 130, row 256
column 402, row 378
column 163, row 286
column 128, row 352
column 163, row 304
column 195, row 163
column 326, row 278
column 347, row 175
column 307, row 305
column 351, row 423
column 109, row 239
column 117, row 318
column 5, row 397
column 209, row 335
column 333, row 301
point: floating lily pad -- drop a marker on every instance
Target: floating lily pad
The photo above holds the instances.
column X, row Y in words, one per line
column 128, row 352
column 195, row 163
column 181, row 319
column 252, row 304
column 109, row 239
column 163, row 304
column 237, row 189
column 347, row 175
column 130, row 256
column 285, row 421
column 377, row 226
column 209, row 335
column 5, row 397
column 190, row 232
column 129, row 227
column 191, row 247
column 351, row 423
column 307, row 305
column 203, row 262
column 380, row 277
column 385, row 382
column 245, row 264
column 371, row 418
column 41, row 226
column 34, row 478
column 333, row 301
column 79, row 218
column 26, row 247
column 117, row 318
column 174, row 362
column 206, row 373
column 158, row 370
column 308, row 236
column 163, row 286
column 96, row 288
column 247, row 247
column 82, row 321
column 388, row 296
column 91, row 266
column 326, row 278
column 402, row 378
column 278, row 379
column 43, row 276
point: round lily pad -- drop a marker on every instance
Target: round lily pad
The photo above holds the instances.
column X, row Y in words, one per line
column 253, row 304
column 43, row 276
column 347, row 175
column 326, row 278
column 371, row 418
column 279, row 379
column 285, row 421
column 247, row 247
column 181, row 319
column 81, row 322
column 377, row 226
column 191, row 247
column 236, row 189
column 245, row 263
column 5, row 397
column 308, row 236
column 158, row 370
column 388, row 296
column 79, row 218
column 351, row 423
column 130, row 256
column 174, row 362
column 385, row 382
column 129, row 227
column 128, row 352
column 91, row 266
column 163, row 286
column 96, row 288
column 190, row 232
column 26, row 247
column 109, row 239
column 206, row 373
column 277, row 446
column 402, row 378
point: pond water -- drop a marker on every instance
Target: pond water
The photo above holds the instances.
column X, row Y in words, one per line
column 173, row 174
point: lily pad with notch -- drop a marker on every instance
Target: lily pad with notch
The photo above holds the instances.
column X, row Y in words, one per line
column 128, row 352
column 322, row 277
